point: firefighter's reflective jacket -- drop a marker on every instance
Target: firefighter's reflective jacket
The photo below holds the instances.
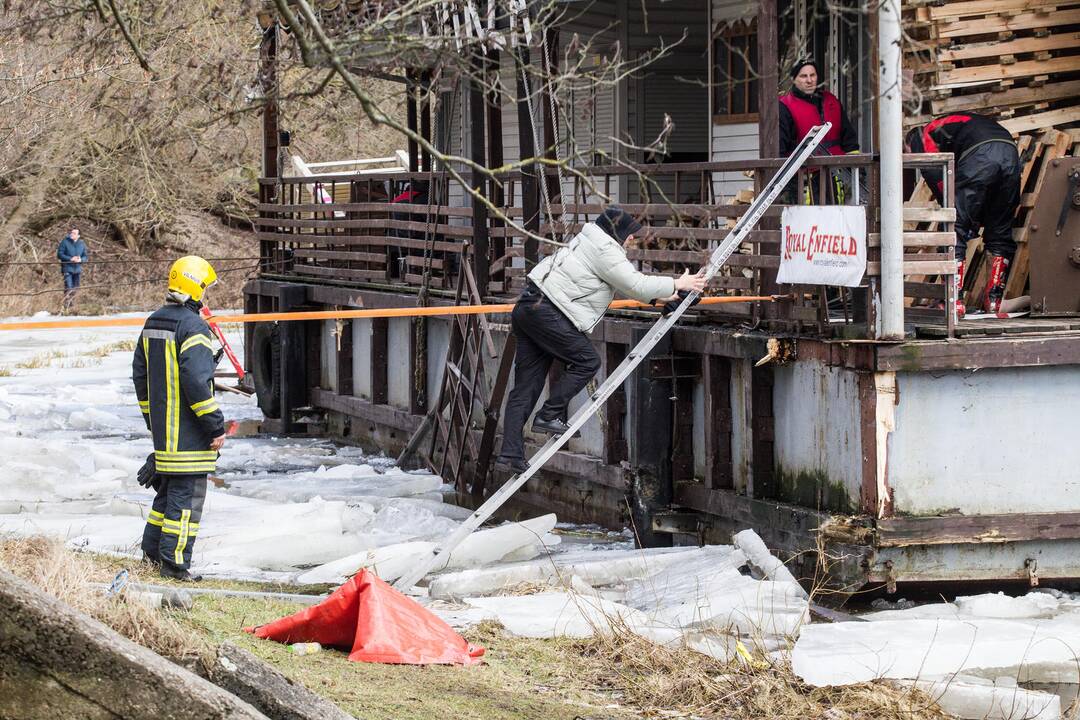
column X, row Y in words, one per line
column 173, row 372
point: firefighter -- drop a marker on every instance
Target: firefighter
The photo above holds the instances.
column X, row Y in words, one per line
column 173, row 372
column 805, row 106
column 987, row 191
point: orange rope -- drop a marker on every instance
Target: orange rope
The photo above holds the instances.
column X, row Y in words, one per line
column 342, row 314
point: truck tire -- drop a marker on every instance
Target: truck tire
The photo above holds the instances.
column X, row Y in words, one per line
column 266, row 368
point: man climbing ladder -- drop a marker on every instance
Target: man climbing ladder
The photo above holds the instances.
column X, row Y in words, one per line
column 619, row 375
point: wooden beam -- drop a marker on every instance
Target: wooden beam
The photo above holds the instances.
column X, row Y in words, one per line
column 977, row 529
column 959, row 77
column 742, row 444
column 716, row 382
column 345, row 357
column 268, row 83
column 411, row 110
column 1042, row 120
column 1005, row 23
column 1015, row 351
column 530, row 197
column 1009, row 47
column 478, row 153
column 1013, row 97
column 973, row 8
column 380, row 359
column 768, row 77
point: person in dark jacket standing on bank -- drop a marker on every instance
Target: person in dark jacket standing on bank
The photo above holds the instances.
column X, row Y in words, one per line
column 807, row 105
column 72, row 254
column 173, row 372
column 565, row 297
column 987, row 191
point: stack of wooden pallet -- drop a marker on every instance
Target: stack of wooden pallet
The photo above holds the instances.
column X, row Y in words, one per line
column 1015, row 60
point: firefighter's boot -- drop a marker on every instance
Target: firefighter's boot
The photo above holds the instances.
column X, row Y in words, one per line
column 995, row 285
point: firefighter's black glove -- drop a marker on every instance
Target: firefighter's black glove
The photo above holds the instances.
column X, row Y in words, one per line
column 147, row 475
column 669, row 307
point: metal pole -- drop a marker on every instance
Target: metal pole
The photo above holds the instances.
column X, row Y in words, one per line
column 890, row 110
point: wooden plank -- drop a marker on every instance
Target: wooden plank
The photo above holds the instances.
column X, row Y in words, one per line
column 343, row 273
column 716, row 380
column 364, row 240
column 918, row 239
column 381, row 208
column 1008, row 47
column 972, row 8
column 918, row 267
column 379, row 223
column 1050, row 118
column 977, row 529
column 929, row 214
column 1011, row 97
column 742, row 446
column 958, row 77
column 1013, row 351
column 1008, row 23
column 354, row 256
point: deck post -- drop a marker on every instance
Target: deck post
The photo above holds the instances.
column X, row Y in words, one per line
column 650, row 411
column 530, row 197
column 269, row 86
column 478, row 180
column 890, row 141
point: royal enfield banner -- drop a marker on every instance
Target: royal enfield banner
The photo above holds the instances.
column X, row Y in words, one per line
column 823, row 245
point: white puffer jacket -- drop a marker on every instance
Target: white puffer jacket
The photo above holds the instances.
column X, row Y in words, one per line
column 583, row 277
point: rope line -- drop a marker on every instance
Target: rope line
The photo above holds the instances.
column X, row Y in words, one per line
column 400, row 312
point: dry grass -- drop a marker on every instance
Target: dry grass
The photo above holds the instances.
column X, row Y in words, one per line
column 67, row 575
column 44, row 359
column 113, row 347
column 6, row 372
column 657, row 679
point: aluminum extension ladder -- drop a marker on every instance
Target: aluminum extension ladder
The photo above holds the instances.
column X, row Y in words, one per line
column 440, row 554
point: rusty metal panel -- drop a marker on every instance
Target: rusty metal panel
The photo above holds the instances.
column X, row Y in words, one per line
column 1054, row 242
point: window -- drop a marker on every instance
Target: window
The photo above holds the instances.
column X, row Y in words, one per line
column 735, row 82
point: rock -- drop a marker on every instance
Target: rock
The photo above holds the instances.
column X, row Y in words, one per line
column 57, row 662
column 258, row 683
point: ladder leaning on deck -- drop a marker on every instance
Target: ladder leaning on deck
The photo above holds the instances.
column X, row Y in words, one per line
column 440, row 554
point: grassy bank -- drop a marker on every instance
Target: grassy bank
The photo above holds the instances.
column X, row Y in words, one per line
column 609, row 678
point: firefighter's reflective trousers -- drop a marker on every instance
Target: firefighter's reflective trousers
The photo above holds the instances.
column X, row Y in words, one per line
column 173, row 522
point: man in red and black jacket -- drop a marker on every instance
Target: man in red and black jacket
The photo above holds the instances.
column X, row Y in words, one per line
column 987, row 190
column 805, row 106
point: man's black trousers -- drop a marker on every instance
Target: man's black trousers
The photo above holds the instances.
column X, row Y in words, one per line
column 987, row 194
column 173, row 522
column 543, row 334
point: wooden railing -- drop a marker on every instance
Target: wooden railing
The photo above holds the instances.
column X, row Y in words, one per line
column 429, row 240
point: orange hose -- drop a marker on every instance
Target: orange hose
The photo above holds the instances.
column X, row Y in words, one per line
column 342, row 314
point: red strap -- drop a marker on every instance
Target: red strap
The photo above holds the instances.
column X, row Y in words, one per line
column 929, row 145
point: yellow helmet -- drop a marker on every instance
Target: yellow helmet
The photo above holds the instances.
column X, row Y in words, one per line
column 190, row 276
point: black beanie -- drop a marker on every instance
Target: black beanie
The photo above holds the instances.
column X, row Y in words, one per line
column 803, row 63
column 618, row 223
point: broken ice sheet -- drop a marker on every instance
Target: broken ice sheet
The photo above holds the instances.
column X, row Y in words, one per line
column 1046, row 651
column 980, row 699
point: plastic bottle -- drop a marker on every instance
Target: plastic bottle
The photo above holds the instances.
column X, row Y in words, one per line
column 307, row 648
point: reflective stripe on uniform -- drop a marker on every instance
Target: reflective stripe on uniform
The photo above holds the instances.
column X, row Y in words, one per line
column 181, row 543
column 196, row 340
column 156, row 518
column 144, row 406
column 173, row 527
column 185, row 455
column 186, row 468
column 204, row 406
column 172, row 393
column 146, row 354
